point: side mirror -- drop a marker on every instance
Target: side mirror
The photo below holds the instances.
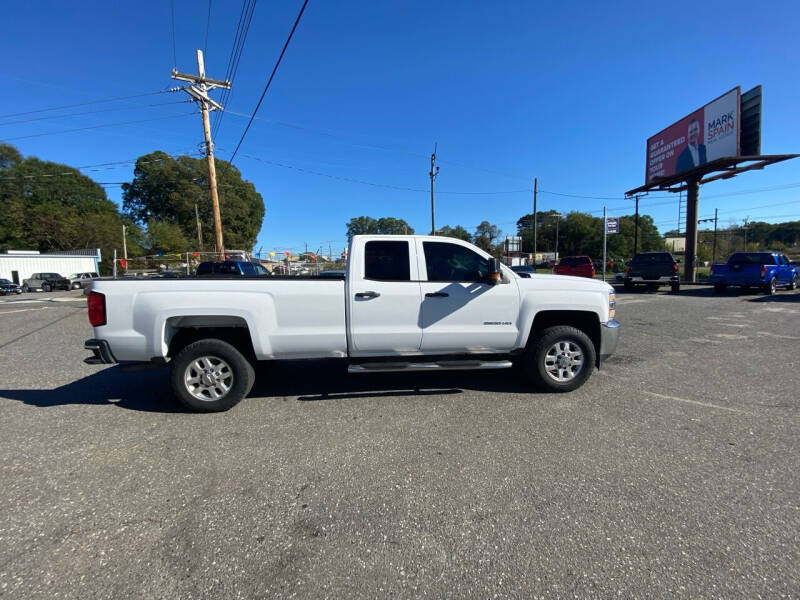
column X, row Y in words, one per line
column 494, row 277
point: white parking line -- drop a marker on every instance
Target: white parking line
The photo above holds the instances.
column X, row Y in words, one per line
column 8, row 312
column 698, row 403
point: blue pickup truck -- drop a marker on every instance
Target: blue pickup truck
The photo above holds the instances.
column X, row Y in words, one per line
column 764, row 270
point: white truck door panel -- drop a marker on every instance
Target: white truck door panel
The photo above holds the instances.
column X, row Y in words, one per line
column 461, row 313
column 384, row 299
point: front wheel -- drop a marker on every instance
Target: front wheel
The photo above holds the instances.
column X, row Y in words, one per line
column 211, row 376
column 793, row 283
column 25, row 288
column 676, row 287
column 561, row 360
column 46, row 287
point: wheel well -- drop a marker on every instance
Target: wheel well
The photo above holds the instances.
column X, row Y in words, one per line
column 180, row 333
column 587, row 321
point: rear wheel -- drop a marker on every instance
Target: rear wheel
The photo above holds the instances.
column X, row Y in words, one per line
column 676, row 287
column 211, row 376
column 720, row 288
column 561, row 360
column 770, row 288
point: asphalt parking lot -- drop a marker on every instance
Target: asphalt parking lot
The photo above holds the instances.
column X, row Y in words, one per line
column 674, row 472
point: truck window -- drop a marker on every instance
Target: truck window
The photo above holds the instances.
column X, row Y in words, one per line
column 387, row 261
column 451, row 262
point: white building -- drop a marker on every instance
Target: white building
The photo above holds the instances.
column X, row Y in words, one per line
column 17, row 265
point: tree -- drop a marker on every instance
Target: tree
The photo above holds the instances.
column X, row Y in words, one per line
column 385, row 225
column 48, row 206
column 166, row 189
column 485, row 236
column 166, row 238
column 457, row 232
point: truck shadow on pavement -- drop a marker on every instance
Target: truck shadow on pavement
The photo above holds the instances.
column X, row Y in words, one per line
column 147, row 391
column 307, row 381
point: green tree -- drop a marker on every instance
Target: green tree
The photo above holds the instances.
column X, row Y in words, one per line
column 166, row 189
column 48, row 206
column 486, row 236
column 364, row 225
column 165, row 237
column 457, row 232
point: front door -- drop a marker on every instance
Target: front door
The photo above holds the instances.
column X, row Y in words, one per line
column 460, row 312
column 384, row 300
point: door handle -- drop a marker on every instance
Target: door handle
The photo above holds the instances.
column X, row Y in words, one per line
column 367, row 294
column 437, row 295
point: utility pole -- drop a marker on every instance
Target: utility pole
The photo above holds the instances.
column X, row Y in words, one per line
column 199, row 229
column 636, row 228
column 558, row 217
column 124, row 249
column 434, row 172
column 199, row 89
column 714, row 246
column 535, row 190
column 745, row 227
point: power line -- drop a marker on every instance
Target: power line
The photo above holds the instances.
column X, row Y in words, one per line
column 92, row 112
column 208, row 26
column 269, row 81
column 31, row 112
column 20, row 137
column 172, row 23
column 239, row 39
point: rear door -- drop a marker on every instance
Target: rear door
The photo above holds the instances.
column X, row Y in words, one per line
column 460, row 312
column 384, row 298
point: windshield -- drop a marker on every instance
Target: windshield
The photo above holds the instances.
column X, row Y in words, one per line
column 4, row 282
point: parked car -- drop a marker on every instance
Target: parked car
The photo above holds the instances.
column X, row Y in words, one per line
column 240, row 268
column 524, row 271
column 47, row 282
column 9, row 287
column 82, row 280
column 764, row 270
column 474, row 314
column 652, row 269
column 579, row 266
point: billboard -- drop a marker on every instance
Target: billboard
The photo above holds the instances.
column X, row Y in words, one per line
column 612, row 224
column 709, row 133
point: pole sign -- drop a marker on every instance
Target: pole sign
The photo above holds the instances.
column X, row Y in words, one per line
column 612, row 225
column 709, row 133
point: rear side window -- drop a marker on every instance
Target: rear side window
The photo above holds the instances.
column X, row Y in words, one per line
column 451, row 262
column 226, row 269
column 249, row 269
column 752, row 258
column 387, row 261
column 650, row 259
column 204, row 269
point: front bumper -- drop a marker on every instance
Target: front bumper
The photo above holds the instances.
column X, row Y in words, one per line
column 609, row 337
column 101, row 353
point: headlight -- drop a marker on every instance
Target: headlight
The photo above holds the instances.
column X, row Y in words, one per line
column 612, row 305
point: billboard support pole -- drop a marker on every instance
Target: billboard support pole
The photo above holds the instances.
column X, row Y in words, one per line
column 636, row 228
column 605, row 233
column 692, row 193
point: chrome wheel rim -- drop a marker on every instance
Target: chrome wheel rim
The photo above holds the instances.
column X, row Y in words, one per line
column 563, row 361
column 208, row 378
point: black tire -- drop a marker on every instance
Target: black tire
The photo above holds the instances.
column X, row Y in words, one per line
column 628, row 286
column 538, row 362
column 207, row 398
column 793, row 283
column 46, row 287
column 770, row 288
column 720, row 288
column 26, row 289
column 676, row 287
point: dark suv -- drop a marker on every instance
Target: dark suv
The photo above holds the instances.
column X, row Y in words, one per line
column 239, row 268
column 653, row 269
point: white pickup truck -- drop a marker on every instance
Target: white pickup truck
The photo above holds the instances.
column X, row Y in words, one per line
column 406, row 303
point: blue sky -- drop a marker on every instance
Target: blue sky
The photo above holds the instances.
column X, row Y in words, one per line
column 566, row 92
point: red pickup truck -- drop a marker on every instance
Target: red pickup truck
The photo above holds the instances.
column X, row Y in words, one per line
column 580, row 266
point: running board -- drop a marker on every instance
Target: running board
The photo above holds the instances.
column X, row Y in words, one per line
column 384, row 367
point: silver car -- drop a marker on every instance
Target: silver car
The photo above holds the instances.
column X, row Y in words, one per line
column 81, row 280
